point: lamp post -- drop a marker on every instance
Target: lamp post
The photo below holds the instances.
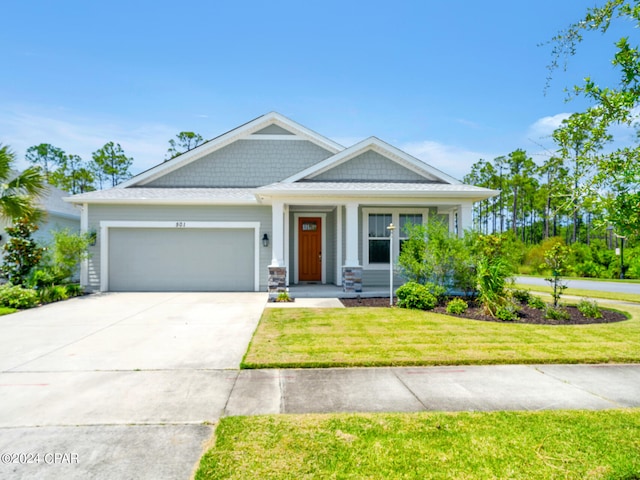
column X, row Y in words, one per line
column 391, row 228
column 622, row 239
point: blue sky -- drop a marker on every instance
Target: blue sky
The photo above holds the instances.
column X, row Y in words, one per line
column 449, row 82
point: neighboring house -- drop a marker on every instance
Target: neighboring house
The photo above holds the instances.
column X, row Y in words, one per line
column 265, row 205
column 58, row 215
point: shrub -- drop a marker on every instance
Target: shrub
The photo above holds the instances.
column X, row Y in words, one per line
column 507, row 312
column 556, row 313
column 53, row 293
column 283, row 297
column 457, row 306
column 15, row 296
column 417, row 296
column 589, row 309
column 522, row 296
column 21, row 253
column 74, row 289
column 433, row 254
column 536, row 302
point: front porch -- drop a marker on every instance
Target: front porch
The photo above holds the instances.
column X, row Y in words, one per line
column 342, row 250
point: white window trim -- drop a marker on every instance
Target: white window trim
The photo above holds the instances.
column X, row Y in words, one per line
column 106, row 225
column 395, row 218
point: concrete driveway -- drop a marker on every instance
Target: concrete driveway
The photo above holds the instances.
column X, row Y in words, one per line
column 98, row 386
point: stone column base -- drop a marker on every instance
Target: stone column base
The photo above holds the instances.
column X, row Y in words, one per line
column 276, row 281
column 352, row 279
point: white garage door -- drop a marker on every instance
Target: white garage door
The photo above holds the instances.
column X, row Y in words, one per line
column 181, row 259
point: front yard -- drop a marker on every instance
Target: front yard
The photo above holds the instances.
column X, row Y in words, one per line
column 517, row 445
column 288, row 338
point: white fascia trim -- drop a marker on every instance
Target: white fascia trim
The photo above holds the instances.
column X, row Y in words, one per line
column 364, row 200
column 180, row 224
column 375, row 144
column 293, row 196
column 159, row 201
column 223, row 140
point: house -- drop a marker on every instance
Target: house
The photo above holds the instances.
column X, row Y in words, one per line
column 268, row 204
column 58, row 215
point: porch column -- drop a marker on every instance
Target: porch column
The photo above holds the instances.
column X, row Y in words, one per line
column 277, row 277
column 277, row 235
column 84, row 229
column 352, row 271
column 465, row 218
column 352, row 236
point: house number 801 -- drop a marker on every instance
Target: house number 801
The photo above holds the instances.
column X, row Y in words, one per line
column 181, row 224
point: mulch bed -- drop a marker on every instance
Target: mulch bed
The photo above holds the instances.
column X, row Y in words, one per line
column 526, row 314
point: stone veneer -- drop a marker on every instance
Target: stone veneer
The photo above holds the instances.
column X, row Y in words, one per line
column 352, row 279
column 277, row 281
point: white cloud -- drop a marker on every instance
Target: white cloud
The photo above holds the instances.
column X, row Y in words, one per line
column 21, row 128
column 452, row 160
column 544, row 127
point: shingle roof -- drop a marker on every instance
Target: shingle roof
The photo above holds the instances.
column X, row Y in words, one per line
column 53, row 203
column 167, row 195
column 373, row 188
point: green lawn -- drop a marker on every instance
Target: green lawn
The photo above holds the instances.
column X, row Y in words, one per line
column 7, row 310
column 395, row 336
column 498, row 445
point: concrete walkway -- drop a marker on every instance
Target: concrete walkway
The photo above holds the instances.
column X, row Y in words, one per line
column 133, row 384
column 412, row 389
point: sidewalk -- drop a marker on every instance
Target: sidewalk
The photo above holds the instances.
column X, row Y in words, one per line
column 411, row 389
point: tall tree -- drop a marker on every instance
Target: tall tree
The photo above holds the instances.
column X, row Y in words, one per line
column 521, row 168
column 184, row 142
column 18, row 192
column 618, row 172
column 111, row 163
column 554, row 191
column 579, row 140
column 47, row 157
column 73, row 175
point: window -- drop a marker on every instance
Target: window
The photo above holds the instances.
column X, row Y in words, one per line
column 407, row 219
column 379, row 237
column 376, row 239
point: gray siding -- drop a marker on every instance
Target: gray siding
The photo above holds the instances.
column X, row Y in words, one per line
column 273, row 130
column 370, row 166
column 98, row 213
column 379, row 278
column 54, row 222
column 246, row 163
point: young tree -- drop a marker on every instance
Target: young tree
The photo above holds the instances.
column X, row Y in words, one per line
column 47, row 157
column 111, row 163
column 185, row 142
column 18, row 192
column 615, row 105
column 21, row 253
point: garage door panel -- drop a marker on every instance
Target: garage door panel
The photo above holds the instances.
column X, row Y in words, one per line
column 173, row 259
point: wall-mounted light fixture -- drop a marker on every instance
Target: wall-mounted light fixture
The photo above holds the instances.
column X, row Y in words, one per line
column 265, row 240
column 93, row 237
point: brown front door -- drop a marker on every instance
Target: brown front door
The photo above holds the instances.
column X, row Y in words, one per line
column 309, row 249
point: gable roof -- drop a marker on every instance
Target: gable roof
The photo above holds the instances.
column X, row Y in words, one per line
column 252, row 128
column 52, row 201
column 389, row 151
